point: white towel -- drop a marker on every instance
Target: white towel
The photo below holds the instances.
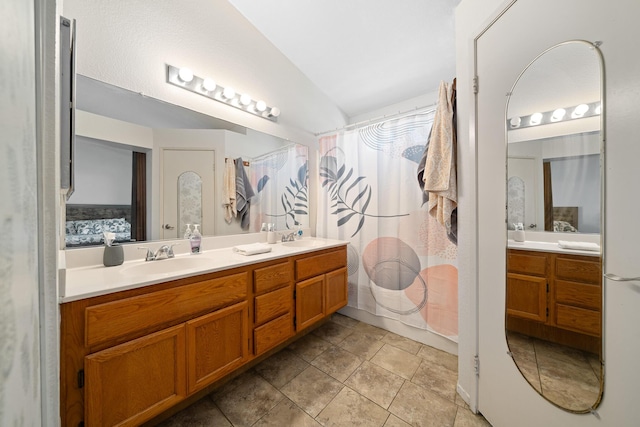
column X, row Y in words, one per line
column 252, row 249
column 440, row 166
column 229, row 191
column 583, row 246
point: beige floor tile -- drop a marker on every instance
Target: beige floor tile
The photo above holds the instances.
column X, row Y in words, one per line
column 349, row 408
column 460, row 402
column 438, row 379
column 439, row 357
column 202, row 413
column 569, row 393
column 281, row 368
column 246, row 399
column 337, row 362
column 343, row 320
column 410, row 346
column 375, row 383
column 333, row 332
column 372, row 331
column 309, row 347
column 363, row 346
column 394, row 421
column 312, row 390
column 420, row 407
column 397, row 361
column 466, row 418
column 286, row 413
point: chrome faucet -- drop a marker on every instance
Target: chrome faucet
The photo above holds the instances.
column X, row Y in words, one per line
column 289, row 237
column 163, row 252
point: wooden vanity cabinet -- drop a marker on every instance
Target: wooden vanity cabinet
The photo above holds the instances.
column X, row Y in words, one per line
column 126, row 357
column 321, row 286
column 555, row 296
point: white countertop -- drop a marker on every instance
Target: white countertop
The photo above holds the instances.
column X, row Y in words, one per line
column 529, row 245
column 94, row 280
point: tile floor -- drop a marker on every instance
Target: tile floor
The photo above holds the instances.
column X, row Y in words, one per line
column 345, row 373
column 568, row 377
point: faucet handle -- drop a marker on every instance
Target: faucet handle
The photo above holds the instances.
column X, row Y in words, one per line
column 149, row 256
column 170, row 253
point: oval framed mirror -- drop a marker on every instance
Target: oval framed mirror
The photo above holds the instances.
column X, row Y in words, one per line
column 554, row 218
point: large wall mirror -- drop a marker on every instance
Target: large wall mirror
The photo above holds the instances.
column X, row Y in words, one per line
column 554, row 193
column 146, row 168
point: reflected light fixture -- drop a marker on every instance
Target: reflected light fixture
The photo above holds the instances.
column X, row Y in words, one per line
column 558, row 115
column 185, row 79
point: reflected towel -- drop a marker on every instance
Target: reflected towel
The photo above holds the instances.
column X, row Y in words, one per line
column 229, row 191
column 252, row 249
column 440, row 165
column 244, row 193
column 583, row 246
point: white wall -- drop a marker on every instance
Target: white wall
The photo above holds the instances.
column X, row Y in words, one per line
column 20, row 311
column 128, row 44
column 102, row 173
column 615, row 25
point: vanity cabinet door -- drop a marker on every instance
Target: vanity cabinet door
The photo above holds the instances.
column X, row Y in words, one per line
column 217, row 343
column 337, row 292
column 527, row 297
column 310, row 302
column 132, row 382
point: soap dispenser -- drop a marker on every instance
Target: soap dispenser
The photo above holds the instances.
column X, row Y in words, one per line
column 187, row 232
column 195, row 239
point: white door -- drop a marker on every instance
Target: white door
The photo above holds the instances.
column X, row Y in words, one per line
column 523, row 170
column 527, row 28
column 188, row 189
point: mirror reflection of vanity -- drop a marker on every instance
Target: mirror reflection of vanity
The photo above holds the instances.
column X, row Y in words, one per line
column 125, row 143
column 554, row 192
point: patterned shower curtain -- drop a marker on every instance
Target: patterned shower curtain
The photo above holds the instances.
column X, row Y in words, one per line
column 280, row 180
column 401, row 263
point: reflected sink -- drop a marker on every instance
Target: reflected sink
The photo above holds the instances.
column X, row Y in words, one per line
column 304, row 243
column 169, row 266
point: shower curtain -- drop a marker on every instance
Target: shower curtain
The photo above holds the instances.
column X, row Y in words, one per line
column 401, row 263
column 280, row 180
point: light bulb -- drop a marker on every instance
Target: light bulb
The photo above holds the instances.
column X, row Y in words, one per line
column 261, row 106
column 558, row 114
column 229, row 92
column 275, row 112
column 209, row 85
column 579, row 111
column 185, row 74
column 515, row 122
column 536, row 119
column 245, row 99
column 598, row 109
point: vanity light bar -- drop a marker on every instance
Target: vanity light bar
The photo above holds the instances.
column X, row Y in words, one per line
column 558, row 115
column 185, row 79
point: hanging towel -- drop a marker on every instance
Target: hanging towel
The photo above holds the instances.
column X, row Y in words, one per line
column 421, row 165
column 229, row 191
column 244, row 193
column 440, row 165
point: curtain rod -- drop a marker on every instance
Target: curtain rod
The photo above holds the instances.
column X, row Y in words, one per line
column 397, row 115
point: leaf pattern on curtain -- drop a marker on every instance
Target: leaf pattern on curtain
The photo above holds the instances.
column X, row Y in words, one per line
column 401, row 265
column 281, row 179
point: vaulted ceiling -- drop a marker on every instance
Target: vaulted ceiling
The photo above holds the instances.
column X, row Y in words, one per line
column 363, row 54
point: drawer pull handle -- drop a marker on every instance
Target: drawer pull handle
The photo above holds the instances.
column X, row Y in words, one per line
column 621, row 279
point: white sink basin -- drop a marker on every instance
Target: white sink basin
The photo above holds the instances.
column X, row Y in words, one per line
column 169, row 266
column 304, row 243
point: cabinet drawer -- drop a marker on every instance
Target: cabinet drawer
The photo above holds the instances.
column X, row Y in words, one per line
column 526, row 263
column 131, row 316
column 579, row 294
column 578, row 270
column 272, row 277
column 273, row 333
column 273, row 304
column 320, row 264
column 578, row 319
